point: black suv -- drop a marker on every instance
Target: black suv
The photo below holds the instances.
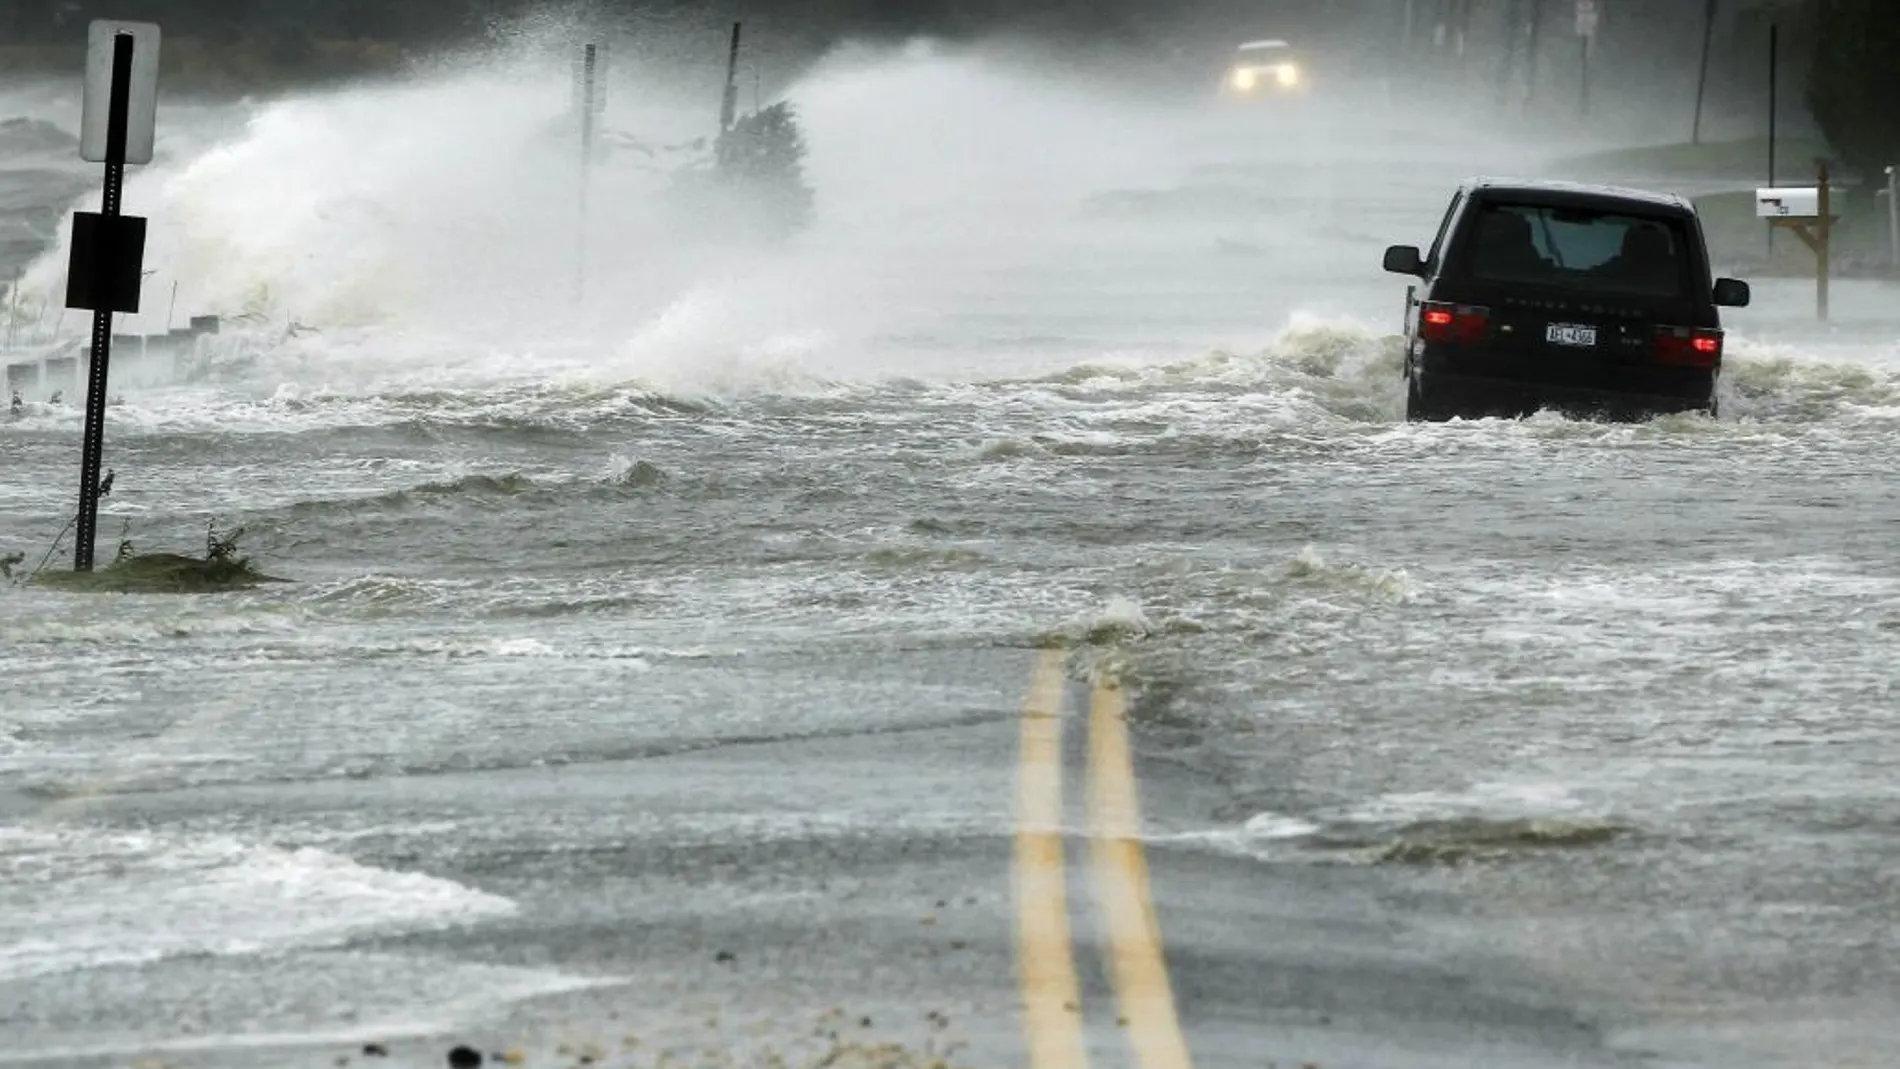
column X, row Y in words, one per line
column 1587, row 299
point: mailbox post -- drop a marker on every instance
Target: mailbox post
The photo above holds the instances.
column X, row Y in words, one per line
column 1808, row 212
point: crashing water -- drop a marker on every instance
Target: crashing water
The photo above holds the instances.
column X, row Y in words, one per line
column 1042, row 368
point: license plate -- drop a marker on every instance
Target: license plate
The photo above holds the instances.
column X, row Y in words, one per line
column 1570, row 334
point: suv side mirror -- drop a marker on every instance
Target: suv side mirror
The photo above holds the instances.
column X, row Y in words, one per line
column 1404, row 260
column 1731, row 293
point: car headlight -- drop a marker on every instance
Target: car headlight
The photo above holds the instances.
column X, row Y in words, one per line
column 1243, row 80
column 1287, row 74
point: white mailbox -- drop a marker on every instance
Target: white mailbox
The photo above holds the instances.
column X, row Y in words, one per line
column 1788, row 203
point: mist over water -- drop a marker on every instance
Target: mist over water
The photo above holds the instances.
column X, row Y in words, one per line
column 956, row 193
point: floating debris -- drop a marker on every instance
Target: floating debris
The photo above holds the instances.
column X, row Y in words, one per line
column 221, row 569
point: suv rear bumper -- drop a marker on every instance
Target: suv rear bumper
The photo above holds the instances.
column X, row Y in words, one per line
column 1442, row 396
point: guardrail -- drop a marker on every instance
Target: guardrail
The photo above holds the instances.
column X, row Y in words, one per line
column 58, row 370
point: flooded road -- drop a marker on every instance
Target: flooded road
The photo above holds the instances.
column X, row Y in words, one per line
column 660, row 667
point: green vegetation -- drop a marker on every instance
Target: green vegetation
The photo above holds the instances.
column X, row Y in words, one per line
column 1742, row 160
column 751, row 187
column 763, row 155
column 1855, row 81
column 160, row 573
column 220, row 569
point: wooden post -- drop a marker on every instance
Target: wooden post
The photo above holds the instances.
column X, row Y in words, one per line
column 1826, row 226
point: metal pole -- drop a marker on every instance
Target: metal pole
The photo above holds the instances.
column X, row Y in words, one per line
column 729, row 103
column 93, row 448
column 172, row 309
column 1702, row 78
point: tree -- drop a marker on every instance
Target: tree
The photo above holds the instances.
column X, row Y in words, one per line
column 1855, row 81
column 763, row 156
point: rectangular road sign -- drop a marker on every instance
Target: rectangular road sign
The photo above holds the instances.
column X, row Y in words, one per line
column 142, row 113
column 103, row 271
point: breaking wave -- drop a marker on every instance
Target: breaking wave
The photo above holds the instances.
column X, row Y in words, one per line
column 135, row 897
column 1319, row 378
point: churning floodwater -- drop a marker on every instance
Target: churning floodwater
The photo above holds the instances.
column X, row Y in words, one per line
column 557, row 493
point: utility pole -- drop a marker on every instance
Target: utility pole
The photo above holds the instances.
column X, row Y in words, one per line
column 1586, row 32
column 1507, row 59
column 729, row 103
column 1702, row 76
column 1534, row 47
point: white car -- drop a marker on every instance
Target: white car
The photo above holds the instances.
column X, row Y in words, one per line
column 1265, row 68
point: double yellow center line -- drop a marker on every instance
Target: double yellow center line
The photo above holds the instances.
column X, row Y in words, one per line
column 1052, row 1014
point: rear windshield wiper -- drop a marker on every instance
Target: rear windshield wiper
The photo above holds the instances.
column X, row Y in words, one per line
column 1550, row 242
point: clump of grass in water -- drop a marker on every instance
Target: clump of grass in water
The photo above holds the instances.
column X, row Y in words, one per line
column 221, row 569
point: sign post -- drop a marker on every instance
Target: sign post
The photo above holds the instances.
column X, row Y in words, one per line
column 1809, row 214
column 117, row 127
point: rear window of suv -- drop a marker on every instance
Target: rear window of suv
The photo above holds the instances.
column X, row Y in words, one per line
column 1579, row 249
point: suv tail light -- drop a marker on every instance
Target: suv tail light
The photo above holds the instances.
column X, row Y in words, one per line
column 1688, row 346
column 1441, row 322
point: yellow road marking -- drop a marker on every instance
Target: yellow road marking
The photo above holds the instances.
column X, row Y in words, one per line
column 1136, row 963
column 1045, row 960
